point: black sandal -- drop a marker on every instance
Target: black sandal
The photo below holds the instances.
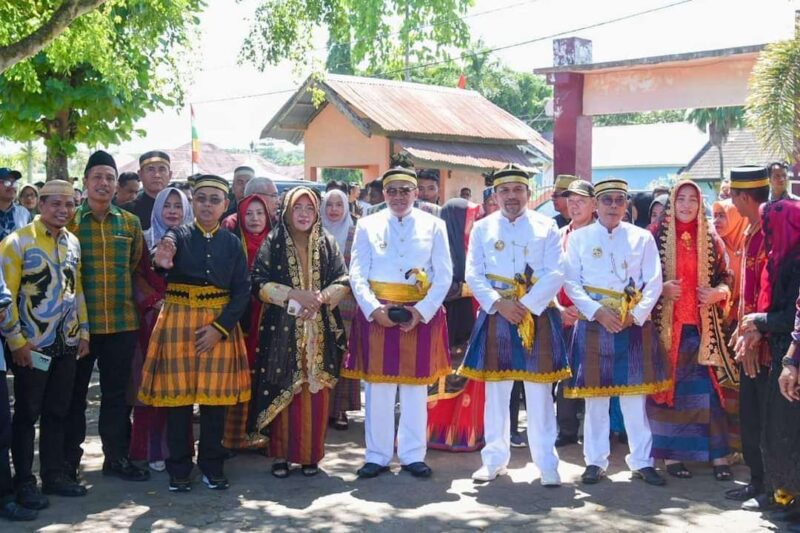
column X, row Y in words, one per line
column 678, row 470
column 310, row 470
column 722, row 473
column 280, row 470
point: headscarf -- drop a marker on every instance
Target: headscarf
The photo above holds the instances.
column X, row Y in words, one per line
column 781, row 225
column 157, row 225
column 27, row 186
column 642, row 201
column 252, row 241
column 340, row 229
column 459, row 215
column 733, row 238
column 291, row 199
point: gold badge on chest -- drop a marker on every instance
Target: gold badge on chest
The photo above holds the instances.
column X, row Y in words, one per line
column 597, row 252
column 499, row 246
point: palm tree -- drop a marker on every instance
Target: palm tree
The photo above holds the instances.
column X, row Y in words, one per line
column 718, row 122
column 773, row 102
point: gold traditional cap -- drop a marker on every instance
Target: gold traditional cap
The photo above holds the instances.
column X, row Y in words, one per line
column 399, row 174
column 510, row 174
column 55, row 188
column 210, row 180
column 610, row 185
column 563, row 181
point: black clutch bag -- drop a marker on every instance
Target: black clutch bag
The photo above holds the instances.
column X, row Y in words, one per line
column 399, row 315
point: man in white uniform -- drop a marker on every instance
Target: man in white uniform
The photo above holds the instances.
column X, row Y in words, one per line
column 400, row 272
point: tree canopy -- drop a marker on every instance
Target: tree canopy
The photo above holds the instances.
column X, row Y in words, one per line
column 91, row 84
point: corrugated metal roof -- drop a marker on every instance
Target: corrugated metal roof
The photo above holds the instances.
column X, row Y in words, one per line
column 742, row 148
column 469, row 155
column 396, row 108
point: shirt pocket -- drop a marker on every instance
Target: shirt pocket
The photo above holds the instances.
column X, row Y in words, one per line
column 121, row 248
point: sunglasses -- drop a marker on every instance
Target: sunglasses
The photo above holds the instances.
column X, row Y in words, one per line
column 402, row 191
column 619, row 201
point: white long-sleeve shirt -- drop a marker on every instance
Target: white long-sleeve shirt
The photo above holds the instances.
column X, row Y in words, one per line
column 503, row 248
column 385, row 248
column 607, row 260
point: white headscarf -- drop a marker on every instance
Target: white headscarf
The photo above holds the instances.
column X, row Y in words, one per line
column 339, row 229
column 157, row 226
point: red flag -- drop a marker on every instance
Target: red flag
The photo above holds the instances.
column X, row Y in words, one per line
column 462, row 81
column 195, row 139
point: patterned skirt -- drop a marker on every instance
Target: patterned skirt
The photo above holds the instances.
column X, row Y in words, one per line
column 346, row 396
column 297, row 433
column 495, row 351
column 780, row 442
column 627, row 363
column 695, row 427
column 175, row 375
column 388, row 355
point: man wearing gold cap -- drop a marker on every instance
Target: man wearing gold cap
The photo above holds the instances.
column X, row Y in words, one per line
column 614, row 280
column 514, row 269
column 400, row 272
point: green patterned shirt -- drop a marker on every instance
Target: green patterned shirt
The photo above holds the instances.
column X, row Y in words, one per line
column 110, row 252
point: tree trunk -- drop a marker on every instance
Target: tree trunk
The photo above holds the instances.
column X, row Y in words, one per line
column 721, row 164
column 56, row 164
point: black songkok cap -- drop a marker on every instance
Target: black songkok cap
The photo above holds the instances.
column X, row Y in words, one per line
column 154, row 156
column 749, row 177
column 100, row 158
column 210, row 180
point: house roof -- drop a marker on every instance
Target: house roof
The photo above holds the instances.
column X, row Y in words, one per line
column 406, row 110
column 453, row 154
column 741, row 148
column 214, row 160
column 646, row 145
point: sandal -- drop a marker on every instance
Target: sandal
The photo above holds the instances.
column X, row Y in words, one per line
column 280, row 470
column 722, row 473
column 341, row 423
column 310, row 470
column 678, row 470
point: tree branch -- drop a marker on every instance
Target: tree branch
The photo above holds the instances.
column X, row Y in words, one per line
column 32, row 44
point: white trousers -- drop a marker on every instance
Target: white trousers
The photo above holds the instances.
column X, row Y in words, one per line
column 542, row 427
column 412, row 441
column 596, row 428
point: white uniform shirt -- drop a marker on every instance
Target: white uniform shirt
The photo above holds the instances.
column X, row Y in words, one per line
column 385, row 248
column 504, row 248
column 606, row 260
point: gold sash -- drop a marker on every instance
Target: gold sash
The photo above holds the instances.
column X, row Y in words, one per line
column 196, row 296
column 621, row 302
column 397, row 292
column 519, row 288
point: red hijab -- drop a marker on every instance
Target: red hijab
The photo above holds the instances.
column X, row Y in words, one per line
column 781, row 226
column 252, row 241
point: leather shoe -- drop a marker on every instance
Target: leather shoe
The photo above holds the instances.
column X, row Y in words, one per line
column 566, row 440
column 418, row 469
column 14, row 512
column 63, row 486
column 592, row 475
column 649, row 475
column 29, row 497
column 486, row 473
column 124, row 469
column 370, row 470
column 741, row 494
column 762, row 502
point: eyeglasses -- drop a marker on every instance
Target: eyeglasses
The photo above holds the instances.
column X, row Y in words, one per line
column 213, row 200
column 9, row 183
column 306, row 209
column 619, row 201
column 402, row 191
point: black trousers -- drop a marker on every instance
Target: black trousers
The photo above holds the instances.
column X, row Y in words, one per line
column 6, row 484
column 44, row 397
column 517, row 397
column 567, row 412
column 752, row 401
column 113, row 353
column 210, row 453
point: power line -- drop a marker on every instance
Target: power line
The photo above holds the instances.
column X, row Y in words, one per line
column 244, row 96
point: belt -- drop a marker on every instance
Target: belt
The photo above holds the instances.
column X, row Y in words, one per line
column 197, row 296
column 397, row 292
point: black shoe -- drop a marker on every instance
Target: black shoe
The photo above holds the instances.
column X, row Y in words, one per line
column 592, row 475
column 71, row 471
column 124, row 469
column 649, row 475
column 179, row 484
column 370, row 470
column 14, row 512
column 518, row 440
column 566, row 440
column 29, row 497
column 418, row 469
column 787, row 513
column 762, row 502
column 63, row 486
column 216, row 482
column 741, row 494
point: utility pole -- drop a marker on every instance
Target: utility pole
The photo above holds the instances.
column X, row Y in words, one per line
column 407, row 70
column 30, row 161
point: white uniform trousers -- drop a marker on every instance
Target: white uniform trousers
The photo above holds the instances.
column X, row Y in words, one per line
column 542, row 427
column 412, row 441
column 596, row 428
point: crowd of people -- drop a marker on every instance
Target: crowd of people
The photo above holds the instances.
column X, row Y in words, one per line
column 670, row 322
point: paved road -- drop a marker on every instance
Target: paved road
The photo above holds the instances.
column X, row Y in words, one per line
column 336, row 501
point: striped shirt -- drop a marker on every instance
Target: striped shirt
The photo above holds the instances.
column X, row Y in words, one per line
column 111, row 251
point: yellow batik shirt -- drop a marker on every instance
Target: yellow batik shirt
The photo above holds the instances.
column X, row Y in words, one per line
column 42, row 272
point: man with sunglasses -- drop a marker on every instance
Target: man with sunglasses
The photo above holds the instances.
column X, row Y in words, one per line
column 515, row 268
column 426, row 197
column 400, row 273
column 13, row 216
column 613, row 276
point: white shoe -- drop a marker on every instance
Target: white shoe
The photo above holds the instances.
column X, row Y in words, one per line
column 158, row 466
column 485, row 473
column 550, row 479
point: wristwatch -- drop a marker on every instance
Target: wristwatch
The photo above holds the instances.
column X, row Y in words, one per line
column 790, row 361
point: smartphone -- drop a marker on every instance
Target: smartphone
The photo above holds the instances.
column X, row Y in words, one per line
column 41, row 361
column 294, row 308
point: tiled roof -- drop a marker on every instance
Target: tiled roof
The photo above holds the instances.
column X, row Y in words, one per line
column 741, row 148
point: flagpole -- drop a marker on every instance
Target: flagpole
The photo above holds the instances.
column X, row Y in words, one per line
column 191, row 129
